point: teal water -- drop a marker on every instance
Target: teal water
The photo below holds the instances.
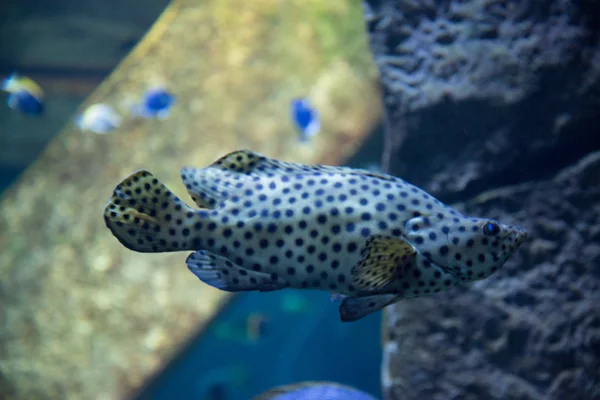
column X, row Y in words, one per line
column 307, row 344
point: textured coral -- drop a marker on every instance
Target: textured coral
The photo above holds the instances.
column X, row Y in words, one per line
column 488, row 94
column 524, row 105
column 491, row 49
column 532, row 331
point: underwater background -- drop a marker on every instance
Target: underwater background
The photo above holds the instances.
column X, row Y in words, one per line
column 491, row 106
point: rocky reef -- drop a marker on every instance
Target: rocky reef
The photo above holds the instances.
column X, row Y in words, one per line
column 492, row 105
column 532, row 331
column 506, row 112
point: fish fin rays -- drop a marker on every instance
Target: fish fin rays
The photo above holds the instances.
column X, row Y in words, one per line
column 382, row 259
column 207, row 187
column 222, row 273
column 141, row 211
column 210, row 186
column 252, row 163
column 355, row 308
column 241, row 161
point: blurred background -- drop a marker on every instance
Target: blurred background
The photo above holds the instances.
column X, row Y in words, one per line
column 69, row 48
column 491, row 106
column 236, row 348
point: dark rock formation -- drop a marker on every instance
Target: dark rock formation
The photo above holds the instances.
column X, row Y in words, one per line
column 532, row 331
column 516, row 105
column 494, row 104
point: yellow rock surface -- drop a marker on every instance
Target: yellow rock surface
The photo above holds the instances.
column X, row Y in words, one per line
column 81, row 316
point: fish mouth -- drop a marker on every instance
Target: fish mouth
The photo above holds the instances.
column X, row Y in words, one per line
column 511, row 241
column 520, row 235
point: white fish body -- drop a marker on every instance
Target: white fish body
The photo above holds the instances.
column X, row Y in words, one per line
column 268, row 225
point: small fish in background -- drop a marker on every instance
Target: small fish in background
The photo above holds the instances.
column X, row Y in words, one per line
column 99, row 118
column 314, row 391
column 256, row 326
column 24, row 94
column 156, row 103
column 252, row 329
column 305, row 118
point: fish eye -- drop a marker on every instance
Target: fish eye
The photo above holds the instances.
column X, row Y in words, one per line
column 491, row 229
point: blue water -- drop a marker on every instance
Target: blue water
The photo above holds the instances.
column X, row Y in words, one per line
column 307, row 344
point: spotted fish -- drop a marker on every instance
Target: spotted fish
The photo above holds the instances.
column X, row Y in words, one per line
column 265, row 225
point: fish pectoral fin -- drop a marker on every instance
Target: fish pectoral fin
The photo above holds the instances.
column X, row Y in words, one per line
column 222, row 273
column 381, row 261
column 355, row 308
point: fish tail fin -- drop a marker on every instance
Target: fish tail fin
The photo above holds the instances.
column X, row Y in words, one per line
column 145, row 216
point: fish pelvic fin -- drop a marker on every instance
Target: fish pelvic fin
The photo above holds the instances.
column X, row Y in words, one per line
column 145, row 216
column 222, row 273
column 382, row 259
column 355, row 308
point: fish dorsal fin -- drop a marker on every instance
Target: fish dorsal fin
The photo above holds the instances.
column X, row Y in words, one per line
column 381, row 260
column 250, row 162
column 207, row 186
column 241, row 161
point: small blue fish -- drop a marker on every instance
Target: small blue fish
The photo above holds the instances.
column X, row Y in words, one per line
column 99, row 118
column 306, row 119
column 256, row 326
column 314, row 391
column 24, row 94
column 156, row 103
